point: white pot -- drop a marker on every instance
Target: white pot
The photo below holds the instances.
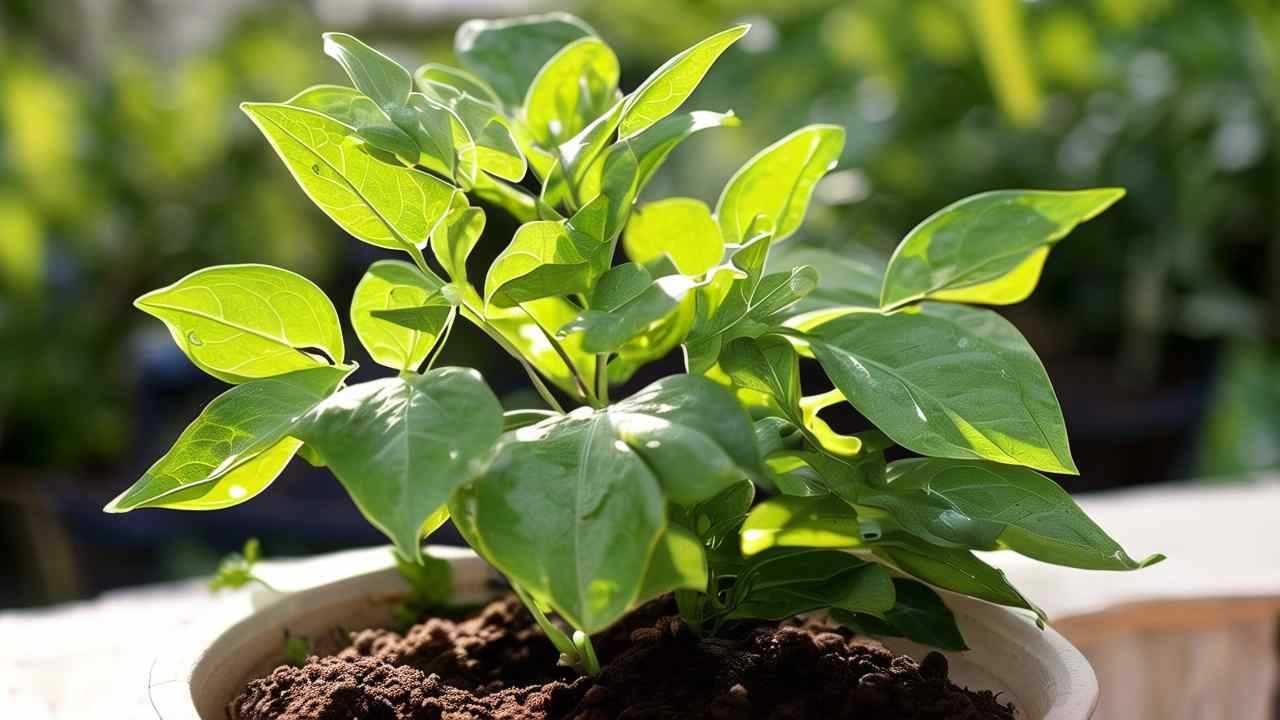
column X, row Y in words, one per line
column 1039, row 671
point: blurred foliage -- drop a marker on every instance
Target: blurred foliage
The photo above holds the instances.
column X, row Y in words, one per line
column 124, row 162
column 1176, row 100
column 119, row 170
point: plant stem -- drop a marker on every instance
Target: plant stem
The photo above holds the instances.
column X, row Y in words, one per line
column 583, row 388
column 587, row 652
column 570, row 655
column 444, row 338
column 602, row 378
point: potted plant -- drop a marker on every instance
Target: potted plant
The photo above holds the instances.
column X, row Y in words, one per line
column 698, row 515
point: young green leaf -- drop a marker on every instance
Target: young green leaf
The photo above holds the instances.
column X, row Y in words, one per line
column 235, row 448
column 670, row 85
column 585, row 472
column 523, row 327
column 983, row 506
column 620, row 312
column 508, row 53
column 787, row 521
column 457, row 78
column 545, row 258
column 987, row 248
column 680, row 228
column 455, row 238
column 951, row 569
column 575, row 87
column 778, row 182
column 444, row 142
column 401, row 445
column 767, row 365
column 496, row 150
column 240, row 322
column 679, row 563
column 236, row 570
column 397, row 285
column 374, row 74
column 850, row 277
column 352, row 107
column 947, row 381
column 386, row 205
column 918, row 614
column 651, row 147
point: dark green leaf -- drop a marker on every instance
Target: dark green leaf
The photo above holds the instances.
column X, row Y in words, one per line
column 951, row 569
column 679, row 563
column 784, row 585
column 401, row 445
column 620, row 314
column 983, row 506
column 918, row 614
column 947, row 381
column 767, row 365
column 508, row 53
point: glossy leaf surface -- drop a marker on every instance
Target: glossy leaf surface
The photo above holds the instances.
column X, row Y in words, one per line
column 240, row 322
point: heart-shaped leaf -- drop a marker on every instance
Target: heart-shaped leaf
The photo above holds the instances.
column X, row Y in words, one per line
column 240, row 322
column 383, row 204
column 235, row 448
column 401, row 445
column 604, row 476
column 987, row 248
column 778, row 182
column 985, row 506
column 397, row 285
column 947, row 381
column 670, row 85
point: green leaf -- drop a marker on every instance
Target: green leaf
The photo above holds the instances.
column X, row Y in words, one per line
column 240, row 322
column 918, row 614
column 952, row 569
column 572, row 508
column 741, row 301
column 351, row 107
column 679, row 563
column 508, row 53
column 518, row 326
column 235, row 448
column 788, row 521
column 496, row 150
column 652, row 146
column 680, row 228
column 987, row 248
column 768, row 365
column 782, row 584
column 545, row 259
column 401, row 445
column 236, row 569
column 457, row 78
column 397, row 285
column 984, row 506
column 444, row 141
column 575, row 87
column 374, row 74
column 455, row 238
column 386, row 205
column 670, row 85
column 947, row 381
column 851, row 277
column 778, row 182
column 577, row 155
column 620, row 314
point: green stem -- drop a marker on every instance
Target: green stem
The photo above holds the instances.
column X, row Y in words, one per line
column 444, row 338
column 602, row 378
column 583, row 388
column 570, row 655
column 587, row 652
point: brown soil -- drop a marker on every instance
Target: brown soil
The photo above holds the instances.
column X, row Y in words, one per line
column 496, row 665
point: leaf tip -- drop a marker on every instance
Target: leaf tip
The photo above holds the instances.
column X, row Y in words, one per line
column 1154, row 559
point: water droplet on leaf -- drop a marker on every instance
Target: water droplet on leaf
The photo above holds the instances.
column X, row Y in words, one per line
column 193, row 339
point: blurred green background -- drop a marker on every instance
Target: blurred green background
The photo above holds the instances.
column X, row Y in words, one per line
column 125, row 164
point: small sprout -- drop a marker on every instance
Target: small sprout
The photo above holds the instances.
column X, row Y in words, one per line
column 237, row 569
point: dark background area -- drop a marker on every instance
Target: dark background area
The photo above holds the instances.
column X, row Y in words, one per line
column 125, row 164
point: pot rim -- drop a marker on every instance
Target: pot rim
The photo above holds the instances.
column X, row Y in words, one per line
column 1010, row 640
